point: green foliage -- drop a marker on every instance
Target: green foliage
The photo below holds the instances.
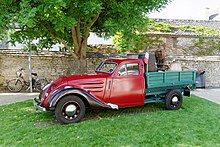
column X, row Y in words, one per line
column 149, row 125
column 204, row 47
column 202, row 31
column 158, row 27
column 120, row 39
column 69, row 21
column 135, row 43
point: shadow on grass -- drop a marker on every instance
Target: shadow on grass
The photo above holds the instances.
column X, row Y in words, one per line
column 96, row 114
column 92, row 114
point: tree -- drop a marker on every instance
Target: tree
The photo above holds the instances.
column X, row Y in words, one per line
column 70, row 21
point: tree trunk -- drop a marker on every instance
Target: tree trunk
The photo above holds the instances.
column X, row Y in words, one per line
column 80, row 34
column 82, row 65
column 77, row 66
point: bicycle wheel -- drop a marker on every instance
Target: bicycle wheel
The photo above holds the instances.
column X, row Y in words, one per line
column 40, row 84
column 14, row 85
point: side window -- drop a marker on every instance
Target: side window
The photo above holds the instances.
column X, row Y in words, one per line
column 133, row 69
column 129, row 69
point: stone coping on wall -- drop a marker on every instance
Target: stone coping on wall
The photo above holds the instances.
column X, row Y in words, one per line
column 60, row 54
column 107, row 56
column 23, row 53
column 196, row 58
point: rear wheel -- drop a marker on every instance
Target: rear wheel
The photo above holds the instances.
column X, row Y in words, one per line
column 14, row 85
column 173, row 100
column 70, row 109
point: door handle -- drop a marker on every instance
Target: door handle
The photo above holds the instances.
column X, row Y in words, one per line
column 109, row 84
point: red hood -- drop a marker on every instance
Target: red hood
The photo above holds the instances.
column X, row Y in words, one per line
column 92, row 82
column 86, row 77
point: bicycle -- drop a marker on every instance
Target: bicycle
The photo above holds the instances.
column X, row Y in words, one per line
column 16, row 84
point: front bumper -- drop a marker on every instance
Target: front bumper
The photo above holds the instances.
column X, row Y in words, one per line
column 37, row 106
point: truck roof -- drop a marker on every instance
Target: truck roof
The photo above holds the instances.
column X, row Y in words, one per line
column 122, row 60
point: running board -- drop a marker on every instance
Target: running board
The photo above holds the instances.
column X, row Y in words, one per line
column 154, row 100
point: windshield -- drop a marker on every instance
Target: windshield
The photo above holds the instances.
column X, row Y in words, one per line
column 107, row 67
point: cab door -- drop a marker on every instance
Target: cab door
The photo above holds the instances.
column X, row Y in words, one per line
column 128, row 86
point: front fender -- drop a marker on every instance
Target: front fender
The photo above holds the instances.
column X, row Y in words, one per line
column 93, row 101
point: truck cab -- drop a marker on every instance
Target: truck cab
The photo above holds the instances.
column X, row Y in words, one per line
column 117, row 83
column 125, row 85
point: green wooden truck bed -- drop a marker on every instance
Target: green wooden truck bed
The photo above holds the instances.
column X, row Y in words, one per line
column 159, row 83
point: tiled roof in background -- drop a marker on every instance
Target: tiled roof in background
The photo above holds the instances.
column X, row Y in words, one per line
column 182, row 22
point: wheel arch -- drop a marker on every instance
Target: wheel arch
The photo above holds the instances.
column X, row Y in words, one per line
column 88, row 99
column 186, row 91
column 85, row 101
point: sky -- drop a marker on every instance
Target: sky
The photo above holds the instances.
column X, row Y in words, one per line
column 187, row 9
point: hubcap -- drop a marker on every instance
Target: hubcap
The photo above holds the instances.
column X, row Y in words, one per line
column 175, row 99
column 71, row 110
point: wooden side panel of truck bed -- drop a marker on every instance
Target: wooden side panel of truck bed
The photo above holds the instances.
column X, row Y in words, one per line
column 159, row 82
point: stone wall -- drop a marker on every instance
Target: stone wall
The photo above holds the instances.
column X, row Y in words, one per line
column 209, row 64
column 53, row 65
column 185, row 45
column 47, row 64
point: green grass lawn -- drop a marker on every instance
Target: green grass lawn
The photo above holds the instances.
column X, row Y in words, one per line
column 197, row 123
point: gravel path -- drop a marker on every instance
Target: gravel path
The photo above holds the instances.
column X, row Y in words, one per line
column 209, row 94
column 8, row 98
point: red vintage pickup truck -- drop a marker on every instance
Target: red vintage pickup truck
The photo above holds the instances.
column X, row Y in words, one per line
column 117, row 83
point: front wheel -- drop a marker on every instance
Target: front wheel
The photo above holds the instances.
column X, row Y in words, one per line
column 70, row 109
column 14, row 85
column 173, row 100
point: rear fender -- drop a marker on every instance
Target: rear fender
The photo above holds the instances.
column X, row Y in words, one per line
column 93, row 101
column 186, row 91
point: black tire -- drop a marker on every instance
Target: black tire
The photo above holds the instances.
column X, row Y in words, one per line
column 70, row 109
column 14, row 85
column 173, row 100
column 40, row 84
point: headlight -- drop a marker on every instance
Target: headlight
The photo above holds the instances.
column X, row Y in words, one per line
column 45, row 87
column 41, row 100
